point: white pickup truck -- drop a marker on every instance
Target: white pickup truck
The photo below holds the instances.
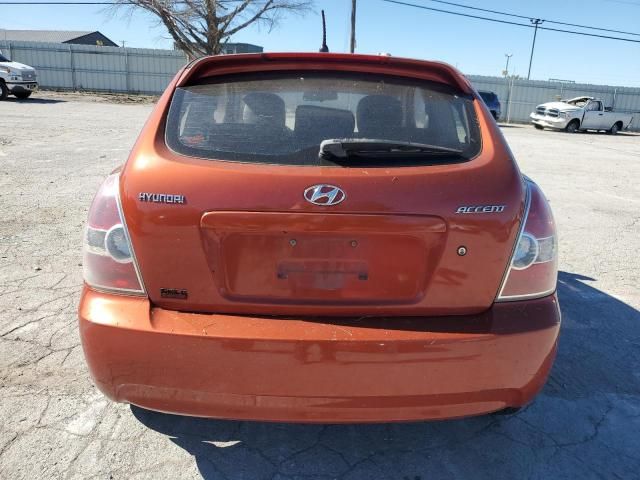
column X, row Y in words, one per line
column 16, row 79
column 580, row 113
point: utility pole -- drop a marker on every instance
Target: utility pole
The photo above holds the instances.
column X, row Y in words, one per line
column 535, row 22
column 506, row 69
column 509, row 85
column 353, row 26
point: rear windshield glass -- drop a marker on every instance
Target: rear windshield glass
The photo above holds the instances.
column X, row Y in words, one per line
column 3, row 58
column 283, row 118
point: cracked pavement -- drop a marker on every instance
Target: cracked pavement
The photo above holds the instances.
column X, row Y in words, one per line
column 54, row 152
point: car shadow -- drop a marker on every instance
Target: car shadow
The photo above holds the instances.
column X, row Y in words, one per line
column 583, row 419
column 592, row 132
column 35, row 100
column 604, row 132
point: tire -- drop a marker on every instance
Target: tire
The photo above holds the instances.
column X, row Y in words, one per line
column 538, row 127
column 4, row 91
column 494, row 114
column 615, row 128
column 573, row 126
column 22, row 95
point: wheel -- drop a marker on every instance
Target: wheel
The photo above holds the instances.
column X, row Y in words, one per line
column 615, row 129
column 494, row 114
column 22, row 95
column 538, row 127
column 4, row 91
column 573, row 126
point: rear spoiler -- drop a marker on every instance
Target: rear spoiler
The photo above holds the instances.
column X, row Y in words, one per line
column 212, row 66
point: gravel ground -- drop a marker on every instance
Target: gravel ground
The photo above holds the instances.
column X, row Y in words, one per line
column 55, row 150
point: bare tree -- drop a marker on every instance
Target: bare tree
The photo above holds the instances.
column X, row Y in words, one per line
column 202, row 27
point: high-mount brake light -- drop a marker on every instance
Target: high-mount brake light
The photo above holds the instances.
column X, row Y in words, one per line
column 533, row 269
column 108, row 260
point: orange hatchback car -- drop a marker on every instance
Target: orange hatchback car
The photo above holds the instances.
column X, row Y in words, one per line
column 320, row 238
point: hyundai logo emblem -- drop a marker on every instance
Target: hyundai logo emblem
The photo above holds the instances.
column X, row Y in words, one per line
column 324, row 195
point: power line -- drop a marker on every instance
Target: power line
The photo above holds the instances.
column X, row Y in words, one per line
column 423, row 7
column 573, row 32
column 495, row 20
column 444, row 2
column 624, row 2
column 59, row 3
column 498, row 12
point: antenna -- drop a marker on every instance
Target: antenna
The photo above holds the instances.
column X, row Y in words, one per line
column 353, row 26
column 324, row 48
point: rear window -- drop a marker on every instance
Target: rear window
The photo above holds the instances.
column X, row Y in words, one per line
column 283, row 118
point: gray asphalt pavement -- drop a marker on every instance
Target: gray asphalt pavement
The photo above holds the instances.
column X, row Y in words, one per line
column 54, row 152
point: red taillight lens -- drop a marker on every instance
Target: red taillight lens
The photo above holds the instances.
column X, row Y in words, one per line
column 533, row 270
column 108, row 259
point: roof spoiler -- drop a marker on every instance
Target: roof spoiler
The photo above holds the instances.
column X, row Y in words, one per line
column 213, row 66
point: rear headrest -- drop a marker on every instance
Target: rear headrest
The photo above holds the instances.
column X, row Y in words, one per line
column 199, row 116
column 314, row 124
column 442, row 124
column 264, row 109
column 377, row 114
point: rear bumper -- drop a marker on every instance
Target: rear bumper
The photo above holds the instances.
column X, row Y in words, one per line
column 329, row 370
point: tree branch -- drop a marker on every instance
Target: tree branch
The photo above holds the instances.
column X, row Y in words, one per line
column 202, row 27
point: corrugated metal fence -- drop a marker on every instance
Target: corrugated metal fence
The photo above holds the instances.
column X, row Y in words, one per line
column 139, row 70
column 100, row 69
column 519, row 97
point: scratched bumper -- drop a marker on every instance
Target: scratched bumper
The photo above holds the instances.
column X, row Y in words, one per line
column 318, row 370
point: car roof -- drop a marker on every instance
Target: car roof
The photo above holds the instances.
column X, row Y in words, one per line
column 581, row 98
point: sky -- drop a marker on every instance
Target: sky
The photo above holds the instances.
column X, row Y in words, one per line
column 474, row 46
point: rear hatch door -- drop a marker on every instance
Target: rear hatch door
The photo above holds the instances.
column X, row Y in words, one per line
column 235, row 212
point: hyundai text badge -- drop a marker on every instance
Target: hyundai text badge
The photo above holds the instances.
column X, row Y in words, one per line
column 324, row 195
column 161, row 198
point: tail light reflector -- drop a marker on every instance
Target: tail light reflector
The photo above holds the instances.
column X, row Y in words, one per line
column 533, row 270
column 108, row 260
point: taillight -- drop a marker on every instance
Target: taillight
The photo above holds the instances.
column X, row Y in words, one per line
column 533, row 270
column 108, row 260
